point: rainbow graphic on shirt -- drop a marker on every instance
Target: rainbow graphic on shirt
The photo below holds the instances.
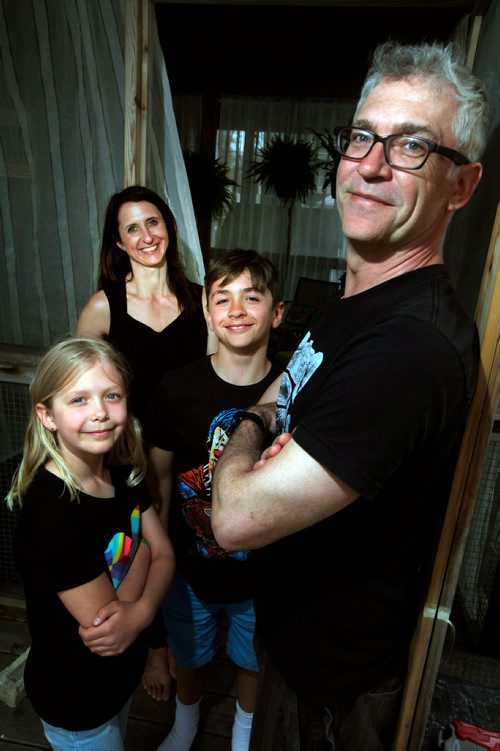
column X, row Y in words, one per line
column 121, row 549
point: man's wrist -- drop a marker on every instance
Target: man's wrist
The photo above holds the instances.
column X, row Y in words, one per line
column 251, row 417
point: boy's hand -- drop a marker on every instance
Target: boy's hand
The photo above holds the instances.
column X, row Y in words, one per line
column 272, row 450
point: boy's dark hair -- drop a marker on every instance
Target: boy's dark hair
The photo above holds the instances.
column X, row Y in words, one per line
column 233, row 263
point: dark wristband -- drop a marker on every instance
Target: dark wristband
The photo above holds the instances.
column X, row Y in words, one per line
column 252, row 416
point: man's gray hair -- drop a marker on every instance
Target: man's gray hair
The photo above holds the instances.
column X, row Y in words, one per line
column 393, row 61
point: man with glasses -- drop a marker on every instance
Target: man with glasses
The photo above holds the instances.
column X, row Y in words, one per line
column 347, row 502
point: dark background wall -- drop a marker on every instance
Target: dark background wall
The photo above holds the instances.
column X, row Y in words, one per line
column 289, row 50
column 324, row 51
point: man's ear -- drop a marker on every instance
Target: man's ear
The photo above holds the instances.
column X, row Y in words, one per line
column 45, row 416
column 466, row 181
column 278, row 314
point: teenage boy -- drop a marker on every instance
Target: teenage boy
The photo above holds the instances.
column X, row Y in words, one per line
column 191, row 418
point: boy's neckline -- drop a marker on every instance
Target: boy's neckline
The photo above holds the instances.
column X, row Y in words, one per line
column 239, row 373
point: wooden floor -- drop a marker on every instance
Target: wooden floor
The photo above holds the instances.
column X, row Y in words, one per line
column 149, row 721
column 468, row 689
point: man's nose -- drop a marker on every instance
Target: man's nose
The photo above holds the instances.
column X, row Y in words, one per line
column 374, row 164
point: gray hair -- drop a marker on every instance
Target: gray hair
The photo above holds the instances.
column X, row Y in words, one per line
column 393, row 61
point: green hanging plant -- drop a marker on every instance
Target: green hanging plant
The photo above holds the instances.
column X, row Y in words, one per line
column 288, row 168
column 211, row 188
column 330, row 165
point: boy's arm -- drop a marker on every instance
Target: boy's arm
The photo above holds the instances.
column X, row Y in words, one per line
column 271, row 393
column 159, row 481
column 133, row 583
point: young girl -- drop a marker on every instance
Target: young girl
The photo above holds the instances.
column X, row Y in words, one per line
column 92, row 581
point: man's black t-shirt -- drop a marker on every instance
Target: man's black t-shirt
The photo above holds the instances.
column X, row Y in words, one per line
column 377, row 393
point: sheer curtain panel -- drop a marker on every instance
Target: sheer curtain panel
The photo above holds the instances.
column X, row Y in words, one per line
column 61, row 157
column 258, row 220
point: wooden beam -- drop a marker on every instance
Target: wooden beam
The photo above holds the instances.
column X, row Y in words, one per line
column 473, row 41
column 137, row 29
column 431, row 630
column 146, row 10
column 427, row 4
column 132, row 20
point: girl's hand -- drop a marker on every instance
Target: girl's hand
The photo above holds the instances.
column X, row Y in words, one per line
column 115, row 626
column 272, row 450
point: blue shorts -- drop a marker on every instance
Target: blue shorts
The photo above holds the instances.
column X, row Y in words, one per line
column 194, row 628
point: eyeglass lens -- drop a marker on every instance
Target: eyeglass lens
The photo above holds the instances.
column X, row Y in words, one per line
column 400, row 150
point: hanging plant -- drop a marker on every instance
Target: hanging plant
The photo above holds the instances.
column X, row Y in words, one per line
column 330, row 165
column 211, row 188
column 288, row 168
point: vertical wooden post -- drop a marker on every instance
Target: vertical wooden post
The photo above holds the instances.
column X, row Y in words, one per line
column 137, row 25
column 430, row 634
column 146, row 10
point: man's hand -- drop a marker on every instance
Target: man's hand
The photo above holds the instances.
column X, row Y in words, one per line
column 115, row 627
column 273, row 450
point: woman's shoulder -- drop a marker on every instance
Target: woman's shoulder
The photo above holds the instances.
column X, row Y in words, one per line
column 94, row 319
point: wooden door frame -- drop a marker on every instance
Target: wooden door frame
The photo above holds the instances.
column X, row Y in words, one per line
column 139, row 15
column 434, row 618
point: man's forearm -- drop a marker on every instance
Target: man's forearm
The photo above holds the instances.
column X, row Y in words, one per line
column 235, row 462
column 238, row 457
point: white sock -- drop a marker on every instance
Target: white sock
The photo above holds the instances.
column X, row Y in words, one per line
column 242, row 727
column 184, row 728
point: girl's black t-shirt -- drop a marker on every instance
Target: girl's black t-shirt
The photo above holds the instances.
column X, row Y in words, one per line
column 62, row 544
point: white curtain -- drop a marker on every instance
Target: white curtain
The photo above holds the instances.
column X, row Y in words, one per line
column 164, row 161
column 258, row 220
column 61, row 157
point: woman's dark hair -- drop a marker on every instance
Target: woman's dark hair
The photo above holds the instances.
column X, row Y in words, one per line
column 114, row 263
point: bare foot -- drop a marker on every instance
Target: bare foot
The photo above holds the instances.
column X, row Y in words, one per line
column 156, row 678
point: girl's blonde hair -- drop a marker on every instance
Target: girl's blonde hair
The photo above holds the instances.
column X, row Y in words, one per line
column 62, row 365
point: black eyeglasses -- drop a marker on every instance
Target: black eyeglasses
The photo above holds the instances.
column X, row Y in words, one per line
column 400, row 151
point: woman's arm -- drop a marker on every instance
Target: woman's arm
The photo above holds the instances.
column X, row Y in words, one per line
column 95, row 318
column 117, row 624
